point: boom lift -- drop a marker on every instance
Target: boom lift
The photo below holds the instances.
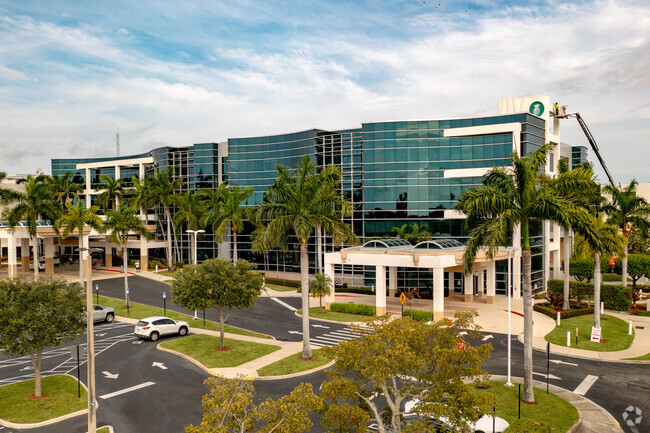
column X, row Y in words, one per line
column 560, row 113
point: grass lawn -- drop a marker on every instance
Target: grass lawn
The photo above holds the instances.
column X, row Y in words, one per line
column 201, row 347
column 103, row 430
column 167, row 274
column 550, row 408
column 15, row 406
column 641, row 358
column 316, row 313
column 611, row 277
column 280, row 288
column 614, row 333
column 140, row 311
column 294, row 364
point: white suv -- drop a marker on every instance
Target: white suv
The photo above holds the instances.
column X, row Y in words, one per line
column 157, row 326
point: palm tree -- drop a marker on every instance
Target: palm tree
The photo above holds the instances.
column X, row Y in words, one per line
column 140, row 196
column 76, row 218
column 510, row 198
column 190, row 209
column 418, row 234
column 231, row 214
column 120, row 223
column 402, row 232
column 299, row 200
column 32, row 204
column 64, row 189
column 213, row 201
column 113, row 192
column 625, row 210
column 320, row 286
column 163, row 191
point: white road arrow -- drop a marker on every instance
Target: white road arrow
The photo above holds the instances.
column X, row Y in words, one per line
column 462, row 333
column 26, row 368
column 321, row 326
column 557, row 361
column 110, row 375
column 159, row 364
column 487, row 337
column 137, row 342
column 99, row 335
column 295, row 332
column 550, row 376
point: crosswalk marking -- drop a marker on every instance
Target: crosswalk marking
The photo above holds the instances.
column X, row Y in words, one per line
column 585, row 385
column 335, row 337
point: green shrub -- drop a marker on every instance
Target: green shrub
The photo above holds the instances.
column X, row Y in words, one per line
column 642, row 313
column 281, row 282
column 612, row 277
column 577, row 290
column 419, row 315
column 528, row 426
column 617, row 298
column 582, row 268
column 545, row 308
column 364, row 310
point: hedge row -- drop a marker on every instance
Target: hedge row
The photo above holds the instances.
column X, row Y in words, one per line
column 419, row 315
column 545, row 308
column 615, row 297
column 642, row 313
column 364, row 310
column 281, row 282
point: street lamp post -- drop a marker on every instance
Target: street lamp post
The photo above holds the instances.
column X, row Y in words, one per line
column 90, row 341
column 508, row 282
column 194, row 234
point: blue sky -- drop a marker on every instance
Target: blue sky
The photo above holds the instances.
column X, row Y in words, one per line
column 177, row 73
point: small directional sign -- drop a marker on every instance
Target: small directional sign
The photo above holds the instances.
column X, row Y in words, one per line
column 159, row 365
column 402, row 298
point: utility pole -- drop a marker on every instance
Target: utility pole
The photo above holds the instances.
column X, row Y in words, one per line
column 90, row 336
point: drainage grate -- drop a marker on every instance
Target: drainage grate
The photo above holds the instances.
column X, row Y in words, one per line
column 639, row 327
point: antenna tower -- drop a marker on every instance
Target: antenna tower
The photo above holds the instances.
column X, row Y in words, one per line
column 117, row 141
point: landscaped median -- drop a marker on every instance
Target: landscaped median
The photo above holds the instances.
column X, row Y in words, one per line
column 140, row 311
column 294, row 364
column 614, row 333
column 342, row 312
column 17, row 406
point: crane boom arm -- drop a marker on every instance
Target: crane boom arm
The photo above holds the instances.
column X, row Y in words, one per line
column 594, row 146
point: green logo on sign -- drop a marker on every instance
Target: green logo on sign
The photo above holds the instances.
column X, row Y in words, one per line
column 536, row 108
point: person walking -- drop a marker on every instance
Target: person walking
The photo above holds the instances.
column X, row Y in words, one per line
column 137, row 266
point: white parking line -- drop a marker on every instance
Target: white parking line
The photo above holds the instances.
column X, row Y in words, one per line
column 284, row 304
column 124, row 391
column 585, row 384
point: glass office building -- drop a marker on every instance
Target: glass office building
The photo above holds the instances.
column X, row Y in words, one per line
column 395, row 173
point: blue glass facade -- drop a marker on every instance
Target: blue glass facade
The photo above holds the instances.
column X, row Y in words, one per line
column 395, row 173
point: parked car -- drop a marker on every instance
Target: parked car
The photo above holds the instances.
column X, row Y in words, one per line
column 41, row 263
column 157, row 326
column 103, row 314
column 483, row 425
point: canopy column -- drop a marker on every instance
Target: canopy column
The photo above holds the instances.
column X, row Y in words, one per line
column 392, row 281
column 328, row 269
column 144, row 254
column 12, row 261
column 469, row 288
column 380, row 294
column 438, row 294
column 481, row 283
column 491, row 282
column 48, row 243
column 108, row 253
column 24, row 255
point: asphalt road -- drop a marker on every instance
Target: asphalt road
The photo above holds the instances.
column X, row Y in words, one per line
column 174, row 400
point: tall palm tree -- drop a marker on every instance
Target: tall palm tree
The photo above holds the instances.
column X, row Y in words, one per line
column 64, row 189
column 231, row 214
column 113, row 192
column 140, row 196
column 163, row 191
column 514, row 198
column 320, row 286
column 76, row 218
column 625, row 210
column 190, row 209
column 299, row 200
column 32, row 204
column 120, row 223
column 213, row 202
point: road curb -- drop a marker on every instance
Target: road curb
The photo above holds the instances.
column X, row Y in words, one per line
column 520, row 338
column 9, row 424
column 182, row 355
column 298, row 374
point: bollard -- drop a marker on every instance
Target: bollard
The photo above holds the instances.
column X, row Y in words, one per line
column 156, row 268
column 602, row 307
column 568, row 339
column 629, row 329
column 558, row 318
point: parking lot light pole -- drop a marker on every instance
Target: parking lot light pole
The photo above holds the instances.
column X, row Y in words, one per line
column 508, row 283
column 194, row 234
column 90, row 350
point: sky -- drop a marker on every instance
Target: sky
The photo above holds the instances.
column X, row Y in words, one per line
column 169, row 73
